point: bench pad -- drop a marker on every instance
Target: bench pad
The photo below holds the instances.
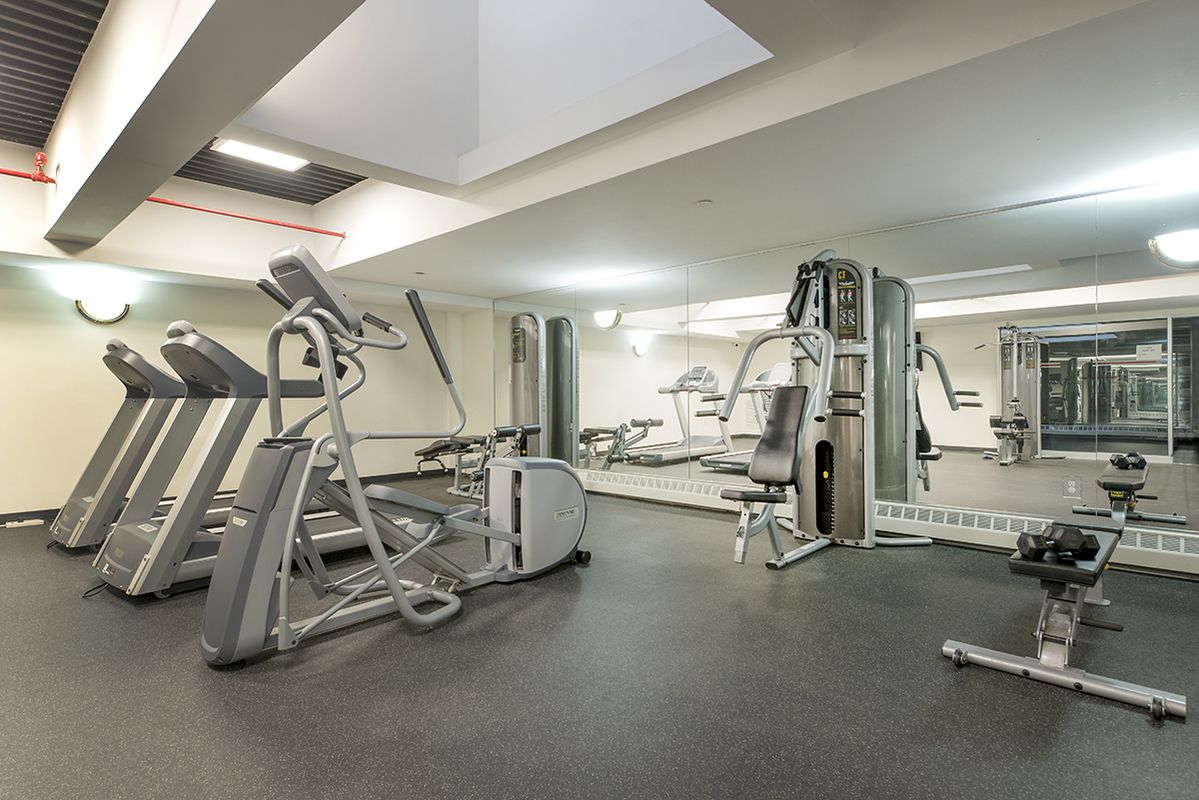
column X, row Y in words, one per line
column 1114, row 479
column 1083, row 573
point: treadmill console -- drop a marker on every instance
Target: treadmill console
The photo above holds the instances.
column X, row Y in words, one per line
column 697, row 379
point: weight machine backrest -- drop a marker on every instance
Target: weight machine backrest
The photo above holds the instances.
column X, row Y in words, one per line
column 776, row 458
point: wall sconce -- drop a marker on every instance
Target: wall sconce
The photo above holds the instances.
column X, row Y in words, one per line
column 641, row 344
column 102, row 310
column 609, row 319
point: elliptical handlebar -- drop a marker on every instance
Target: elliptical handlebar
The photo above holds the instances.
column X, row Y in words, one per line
column 422, row 319
column 824, row 376
column 330, row 321
column 274, row 292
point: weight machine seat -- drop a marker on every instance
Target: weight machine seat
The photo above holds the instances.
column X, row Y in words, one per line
column 454, row 444
column 1017, row 424
column 1082, row 573
column 754, row 495
column 1114, row 479
column 933, row 454
column 776, row 457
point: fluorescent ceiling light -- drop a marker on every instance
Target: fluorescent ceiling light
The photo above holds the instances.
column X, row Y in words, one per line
column 974, row 273
column 250, row 152
column 1179, row 249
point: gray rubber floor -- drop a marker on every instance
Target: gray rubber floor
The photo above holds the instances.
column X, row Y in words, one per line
column 661, row 670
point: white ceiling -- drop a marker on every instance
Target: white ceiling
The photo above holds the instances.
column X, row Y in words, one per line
column 458, row 89
column 1049, row 117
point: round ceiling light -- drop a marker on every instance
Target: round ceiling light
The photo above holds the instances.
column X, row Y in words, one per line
column 1179, row 250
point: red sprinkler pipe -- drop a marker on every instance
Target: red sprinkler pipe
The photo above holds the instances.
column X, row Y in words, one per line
column 247, row 217
column 39, row 175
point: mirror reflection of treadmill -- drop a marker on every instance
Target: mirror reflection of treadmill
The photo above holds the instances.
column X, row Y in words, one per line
column 758, row 389
column 697, row 380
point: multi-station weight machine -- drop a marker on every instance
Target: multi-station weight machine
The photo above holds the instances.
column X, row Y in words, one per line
column 850, row 435
column 544, row 384
column 1016, row 426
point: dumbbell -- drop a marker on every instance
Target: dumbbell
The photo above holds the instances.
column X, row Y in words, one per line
column 1131, row 460
column 1066, row 541
column 1070, row 542
column 1032, row 546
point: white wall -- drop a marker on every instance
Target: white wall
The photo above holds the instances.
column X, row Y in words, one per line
column 59, row 398
column 134, row 43
column 616, row 386
column 969, row 369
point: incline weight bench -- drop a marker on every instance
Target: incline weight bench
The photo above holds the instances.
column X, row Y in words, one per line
column 456, row 446
column 619, row 439
column 1122, row 479
column 1070, row 584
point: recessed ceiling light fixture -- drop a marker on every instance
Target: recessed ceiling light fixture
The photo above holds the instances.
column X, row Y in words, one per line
column 1179, row 249
column 974, row 273
column 261, row 155
column 703, row 202
column 607, row 319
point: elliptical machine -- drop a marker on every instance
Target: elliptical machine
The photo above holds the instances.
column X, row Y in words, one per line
column 532, row 520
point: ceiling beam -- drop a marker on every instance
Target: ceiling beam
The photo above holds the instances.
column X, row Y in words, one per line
column 157, row 82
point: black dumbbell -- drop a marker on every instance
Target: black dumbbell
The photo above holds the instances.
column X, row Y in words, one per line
column 1032, row 545
column 1133, row 460
column 1072, row 543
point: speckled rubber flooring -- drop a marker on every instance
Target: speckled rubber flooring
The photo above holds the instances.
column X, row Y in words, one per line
column 662, row 670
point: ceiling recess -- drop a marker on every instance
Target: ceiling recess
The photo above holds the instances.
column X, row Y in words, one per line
column 309, row 184
column 41, row 45
column 41, row 42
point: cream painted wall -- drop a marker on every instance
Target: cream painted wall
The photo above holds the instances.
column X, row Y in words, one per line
column 615, row 385
column 59, row 398
column 969, row 369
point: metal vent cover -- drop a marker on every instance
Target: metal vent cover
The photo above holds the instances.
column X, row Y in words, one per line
column 1185, row 543
column 41, row 43
column 309, row 184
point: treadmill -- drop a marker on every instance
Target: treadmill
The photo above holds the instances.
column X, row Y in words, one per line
column 96, row 500
column 147, row 554
column 758, row 389
column 698, row 380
